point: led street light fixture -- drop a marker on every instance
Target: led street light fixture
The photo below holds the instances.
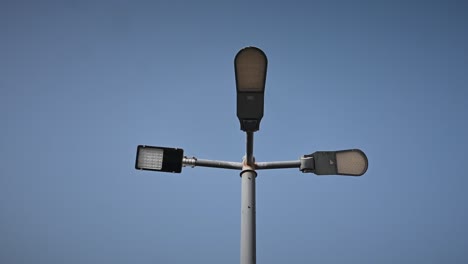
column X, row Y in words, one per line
column 250, row 67
column 159, row 159
column 352, row 162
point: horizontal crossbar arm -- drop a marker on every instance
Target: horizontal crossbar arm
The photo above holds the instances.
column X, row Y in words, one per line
column 194, row 162
column 278, row 165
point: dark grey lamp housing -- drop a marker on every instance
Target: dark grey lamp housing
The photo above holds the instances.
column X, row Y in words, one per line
column 250, row 67
column 351, row 162
column 159, row 159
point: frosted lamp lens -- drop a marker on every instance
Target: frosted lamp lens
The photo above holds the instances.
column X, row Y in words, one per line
column 351, row 162
column 250, row 64
column 150, row 158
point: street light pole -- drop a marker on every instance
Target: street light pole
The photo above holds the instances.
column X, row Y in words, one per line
column 248, row 207
column 250, row 66
column 248, row 233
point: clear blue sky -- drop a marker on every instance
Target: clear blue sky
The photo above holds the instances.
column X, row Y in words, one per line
column 82, row 83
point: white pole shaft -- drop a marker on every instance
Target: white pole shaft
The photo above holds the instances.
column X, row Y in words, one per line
column 248, row 236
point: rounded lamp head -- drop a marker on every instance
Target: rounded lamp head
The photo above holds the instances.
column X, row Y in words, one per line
column 352, row 162
column 251, row 67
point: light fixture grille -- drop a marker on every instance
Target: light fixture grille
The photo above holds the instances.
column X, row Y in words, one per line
column 250, row 67
column 351, row 162
column 150, row 158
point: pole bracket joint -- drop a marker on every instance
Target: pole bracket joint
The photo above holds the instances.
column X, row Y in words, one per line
column 248, row 170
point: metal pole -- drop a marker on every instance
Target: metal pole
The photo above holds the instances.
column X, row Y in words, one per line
column 278, row 165
column 248, row 237
column 250, row 140
column 194, row 162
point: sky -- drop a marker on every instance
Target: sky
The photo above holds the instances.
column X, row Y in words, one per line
column 83, row 83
